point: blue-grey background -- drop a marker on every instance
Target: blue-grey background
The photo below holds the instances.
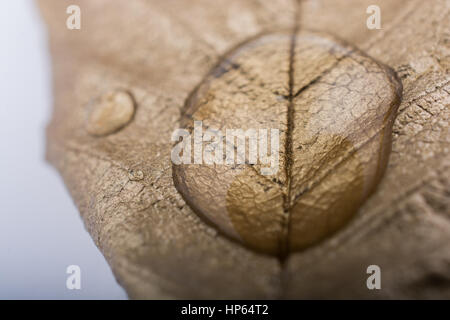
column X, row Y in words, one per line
column 41, row 232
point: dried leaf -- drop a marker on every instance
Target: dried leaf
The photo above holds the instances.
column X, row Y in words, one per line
column 156, row 245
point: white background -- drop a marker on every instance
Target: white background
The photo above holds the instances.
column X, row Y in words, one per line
column 41, row 232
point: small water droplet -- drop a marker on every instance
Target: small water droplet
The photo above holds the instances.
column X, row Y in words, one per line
column 110, row 112
column 135, row 175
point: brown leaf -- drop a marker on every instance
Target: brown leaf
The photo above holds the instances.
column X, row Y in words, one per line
column 156, row 245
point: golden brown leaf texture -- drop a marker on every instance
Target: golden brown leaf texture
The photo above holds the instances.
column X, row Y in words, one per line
column 334, row 108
